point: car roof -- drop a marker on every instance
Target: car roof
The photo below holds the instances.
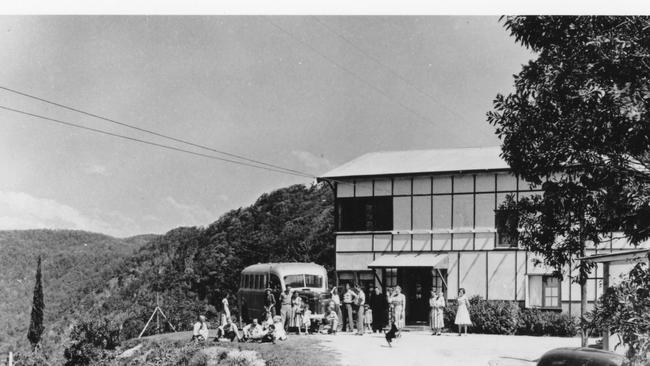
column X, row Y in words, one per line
column 285, row 267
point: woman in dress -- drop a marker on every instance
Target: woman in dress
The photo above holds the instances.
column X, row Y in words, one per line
column 296, row 311
column 462, row 314
column 398, row 300
column 437, row 303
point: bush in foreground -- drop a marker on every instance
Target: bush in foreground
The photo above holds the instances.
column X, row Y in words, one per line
column 506, row 317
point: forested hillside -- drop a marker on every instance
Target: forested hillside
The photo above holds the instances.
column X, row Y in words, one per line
column 193, row 268
column 190, row 268
column 74, row 263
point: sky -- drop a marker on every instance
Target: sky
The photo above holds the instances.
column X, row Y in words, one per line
column 302, row 92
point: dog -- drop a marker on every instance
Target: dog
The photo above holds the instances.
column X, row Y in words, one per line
column 392, row 334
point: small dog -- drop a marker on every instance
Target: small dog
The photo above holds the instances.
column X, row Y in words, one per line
column 392, row 334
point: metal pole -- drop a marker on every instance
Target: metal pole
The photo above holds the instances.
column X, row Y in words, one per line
column 605, row 287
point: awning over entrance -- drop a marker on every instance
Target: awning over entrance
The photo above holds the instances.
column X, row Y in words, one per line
column 411, row 260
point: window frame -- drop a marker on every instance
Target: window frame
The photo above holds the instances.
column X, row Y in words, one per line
column 501, row 233
column 373, row 213
column 559, row 292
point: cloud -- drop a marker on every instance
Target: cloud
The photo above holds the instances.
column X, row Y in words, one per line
column 314, row 162
column 97, row 169
column 192, row 215
column 19, row 210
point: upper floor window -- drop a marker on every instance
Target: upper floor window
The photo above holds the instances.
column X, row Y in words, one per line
column 507, row 223
column 365, row 213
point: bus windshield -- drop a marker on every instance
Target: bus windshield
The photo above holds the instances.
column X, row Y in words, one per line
column 303, row 280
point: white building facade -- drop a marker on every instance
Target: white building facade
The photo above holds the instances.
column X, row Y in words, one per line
column 430, row 219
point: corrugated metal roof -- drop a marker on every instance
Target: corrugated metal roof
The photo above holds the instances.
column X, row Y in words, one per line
column 421, row 161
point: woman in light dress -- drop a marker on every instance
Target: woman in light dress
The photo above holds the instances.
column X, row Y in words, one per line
column 462, row 314
column 398, row 301
column 437, row 303
column 297, row 312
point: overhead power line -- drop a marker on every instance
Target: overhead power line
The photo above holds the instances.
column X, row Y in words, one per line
column 388, row 68
column 349, row 71
column 168, row 147
column 276, row 167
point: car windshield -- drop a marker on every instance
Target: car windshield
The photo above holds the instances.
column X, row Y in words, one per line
column 303, row 280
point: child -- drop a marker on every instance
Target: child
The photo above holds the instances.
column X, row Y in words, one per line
column 306, row 319
column 367, row 319
column 392, row 334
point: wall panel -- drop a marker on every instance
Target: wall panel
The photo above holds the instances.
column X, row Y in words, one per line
column 421, row 242
column 382, row 243
column 401, row 243
column 441, row 242
column 363, row 188
column 345, row 189
column 452, row 276
column 501, row 275
column 353, row 261
column 354, row 243
column 472, row 273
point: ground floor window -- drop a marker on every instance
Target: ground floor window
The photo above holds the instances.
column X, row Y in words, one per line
column 390, row 277
column 544, row 291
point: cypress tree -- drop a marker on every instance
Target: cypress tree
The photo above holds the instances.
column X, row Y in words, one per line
column 36, row 324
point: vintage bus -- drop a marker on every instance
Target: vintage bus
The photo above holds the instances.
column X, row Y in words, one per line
column 309, row 279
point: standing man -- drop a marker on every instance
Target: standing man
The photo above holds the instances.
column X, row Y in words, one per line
column 360, row 302
column 348, row 299
column 285, row 306
column 269, row 303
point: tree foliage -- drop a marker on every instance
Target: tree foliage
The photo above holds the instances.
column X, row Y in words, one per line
column 625, row 309
column 578, row 124
column 38, row 308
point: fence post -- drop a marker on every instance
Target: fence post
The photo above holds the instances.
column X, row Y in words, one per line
column 11, row 359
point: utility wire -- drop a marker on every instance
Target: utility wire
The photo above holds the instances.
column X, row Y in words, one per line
column 276, row 167
column 69, row 124
column 340, row 66
column 390, row 70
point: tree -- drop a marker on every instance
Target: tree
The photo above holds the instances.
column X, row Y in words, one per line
column 36, row 323
column 578, row 124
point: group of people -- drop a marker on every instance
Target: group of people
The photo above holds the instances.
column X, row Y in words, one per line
column 268, row 331
column 352, row 312
column 381, row 311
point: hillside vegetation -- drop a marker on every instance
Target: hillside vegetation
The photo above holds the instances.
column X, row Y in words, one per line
column 192, row 269
column 74, row 263
column 98, row 281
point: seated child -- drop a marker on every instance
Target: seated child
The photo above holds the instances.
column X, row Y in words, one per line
column 269, row 337
column 279, row 332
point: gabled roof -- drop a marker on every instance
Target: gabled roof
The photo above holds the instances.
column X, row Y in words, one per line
column 421, row 161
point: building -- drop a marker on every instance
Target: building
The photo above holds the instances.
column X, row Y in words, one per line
column 430, row 219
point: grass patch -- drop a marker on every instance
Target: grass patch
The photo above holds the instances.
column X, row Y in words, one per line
column 173, row 349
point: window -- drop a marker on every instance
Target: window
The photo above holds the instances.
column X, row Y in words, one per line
column 507, row 223
column 550, row 292
column 366, row 280
column 294, row 281
column 365, row 214
column 439, row 280
column 390, row 277
column 313, row 281
column 275, row 283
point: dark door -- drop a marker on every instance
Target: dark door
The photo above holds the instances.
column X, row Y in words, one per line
column 416, row 284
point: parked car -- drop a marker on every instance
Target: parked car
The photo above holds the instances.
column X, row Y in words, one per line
column 581, row 357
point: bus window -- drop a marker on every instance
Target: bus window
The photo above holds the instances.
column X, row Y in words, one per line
column 274, row 283
column 313, row 281
column 294, row 281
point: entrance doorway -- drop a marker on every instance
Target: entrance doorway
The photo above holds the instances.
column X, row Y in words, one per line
column 416, row 283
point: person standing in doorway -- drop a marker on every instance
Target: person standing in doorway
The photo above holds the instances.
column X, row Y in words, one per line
column 360, row 303
column 348, row 300
column 398, row 300
column 462, row 314
column 285, row 306
column 437, row 303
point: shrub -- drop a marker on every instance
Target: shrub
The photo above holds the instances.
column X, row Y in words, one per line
column 538, row 322
column 506, row 317
column 92, row 341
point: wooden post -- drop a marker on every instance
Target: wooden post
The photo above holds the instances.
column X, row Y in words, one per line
column 11, row 359
column 606, row 345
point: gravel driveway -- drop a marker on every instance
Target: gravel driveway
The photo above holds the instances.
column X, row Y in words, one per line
column 421, row 348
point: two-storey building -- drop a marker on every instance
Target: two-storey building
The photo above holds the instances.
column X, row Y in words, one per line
column 430, row 219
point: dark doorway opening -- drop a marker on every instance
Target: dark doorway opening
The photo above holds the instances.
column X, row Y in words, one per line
column 416, row 283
